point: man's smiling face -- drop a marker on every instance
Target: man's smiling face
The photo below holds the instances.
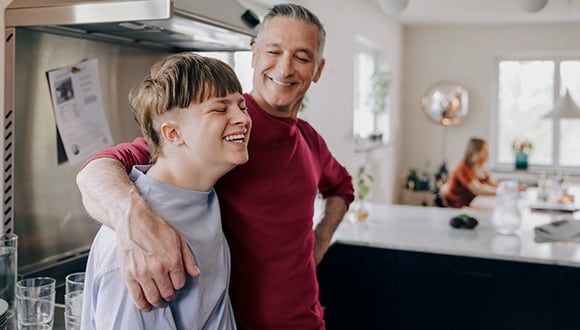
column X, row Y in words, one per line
column 285, row 61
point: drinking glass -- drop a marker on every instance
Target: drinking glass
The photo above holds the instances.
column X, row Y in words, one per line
column 8, row 270
column 73, row 300
column 35, row 303
column 506, row 216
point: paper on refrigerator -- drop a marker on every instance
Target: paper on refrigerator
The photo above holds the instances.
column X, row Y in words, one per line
column 78, row 109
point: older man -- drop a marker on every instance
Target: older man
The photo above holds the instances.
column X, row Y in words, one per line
column 266, row 204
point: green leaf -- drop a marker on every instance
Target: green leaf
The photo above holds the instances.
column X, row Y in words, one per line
column 363, row 190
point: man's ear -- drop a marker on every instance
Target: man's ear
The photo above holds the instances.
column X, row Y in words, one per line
column 254, row 50
column 170, row 132
column 319, row 70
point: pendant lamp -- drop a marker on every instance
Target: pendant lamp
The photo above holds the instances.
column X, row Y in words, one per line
column 532, row 6
column 393, row 7
column 565, row 108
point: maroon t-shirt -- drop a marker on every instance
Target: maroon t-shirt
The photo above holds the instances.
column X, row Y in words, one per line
column 267, row 209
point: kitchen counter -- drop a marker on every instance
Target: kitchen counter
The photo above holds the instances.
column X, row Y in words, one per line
column 405, row 268
column 426, row 229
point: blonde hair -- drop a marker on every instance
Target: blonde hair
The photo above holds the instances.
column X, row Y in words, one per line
column 177, row 81
column 474, row 148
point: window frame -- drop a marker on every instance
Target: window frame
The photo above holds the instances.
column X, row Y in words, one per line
column 380, row 63
column 244, row 72
column 557, row 58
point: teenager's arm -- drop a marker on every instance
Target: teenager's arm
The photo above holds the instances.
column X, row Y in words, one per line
column 152, row 254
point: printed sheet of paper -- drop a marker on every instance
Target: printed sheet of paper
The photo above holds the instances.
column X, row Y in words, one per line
column 565, row 230
column 78, row 109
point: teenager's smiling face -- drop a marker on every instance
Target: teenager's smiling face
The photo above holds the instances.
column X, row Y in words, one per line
column 217, row 130
column 285, row 61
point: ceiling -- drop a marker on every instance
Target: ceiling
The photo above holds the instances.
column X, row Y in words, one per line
column 486, row 12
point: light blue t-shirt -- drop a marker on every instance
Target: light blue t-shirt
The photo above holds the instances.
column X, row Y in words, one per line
column 203, row 303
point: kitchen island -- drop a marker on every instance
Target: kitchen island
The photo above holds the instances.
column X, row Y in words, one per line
column 406, row 268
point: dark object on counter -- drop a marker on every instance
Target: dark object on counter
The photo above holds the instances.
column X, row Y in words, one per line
column 463, row 221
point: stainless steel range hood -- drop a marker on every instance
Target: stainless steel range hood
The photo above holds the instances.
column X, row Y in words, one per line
column 178, row 24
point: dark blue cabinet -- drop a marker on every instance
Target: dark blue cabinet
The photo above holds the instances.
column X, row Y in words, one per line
column 364, row 287
column 357, row 287
column 452, row 292
column 569, row 298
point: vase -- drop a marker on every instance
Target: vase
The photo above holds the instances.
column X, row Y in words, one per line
column 360, row 210
column 506, row 216
column 521, row 160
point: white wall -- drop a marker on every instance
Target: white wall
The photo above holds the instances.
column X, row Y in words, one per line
column 330, row 106
column 464, row 54
column 331, row 100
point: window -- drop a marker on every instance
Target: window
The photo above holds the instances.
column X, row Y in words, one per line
column 243, row 67
column 371, row 122
column 241, row 62
column 528, row 90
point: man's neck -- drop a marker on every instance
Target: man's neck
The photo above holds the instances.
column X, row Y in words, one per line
column 275, row 111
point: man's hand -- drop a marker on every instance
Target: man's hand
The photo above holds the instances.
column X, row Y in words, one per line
column 321, row 244
column 153, row 258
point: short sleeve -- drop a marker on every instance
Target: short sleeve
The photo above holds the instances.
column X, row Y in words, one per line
column 128, row 153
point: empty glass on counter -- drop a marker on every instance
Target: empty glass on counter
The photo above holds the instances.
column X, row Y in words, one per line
column 506, row 216
column 554, row 189
column 73, row 300
column 3, row 314
column 8, row 270
column 35, row 303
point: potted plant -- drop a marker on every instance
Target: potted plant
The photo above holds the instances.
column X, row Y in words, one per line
column 380, row 83
column 304, row 103
column 522, row 148
column 362, row 181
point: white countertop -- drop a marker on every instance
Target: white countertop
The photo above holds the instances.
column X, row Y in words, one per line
column 427, row 229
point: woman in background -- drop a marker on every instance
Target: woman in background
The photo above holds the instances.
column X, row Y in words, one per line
column 471, row 178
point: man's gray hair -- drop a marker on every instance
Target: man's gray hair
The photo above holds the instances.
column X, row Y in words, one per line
column 299, row 13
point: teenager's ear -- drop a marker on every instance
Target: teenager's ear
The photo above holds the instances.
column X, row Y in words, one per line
column 170, row 132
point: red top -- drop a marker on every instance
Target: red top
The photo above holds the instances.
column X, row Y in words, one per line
column 267, row 207
column 458, row 195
